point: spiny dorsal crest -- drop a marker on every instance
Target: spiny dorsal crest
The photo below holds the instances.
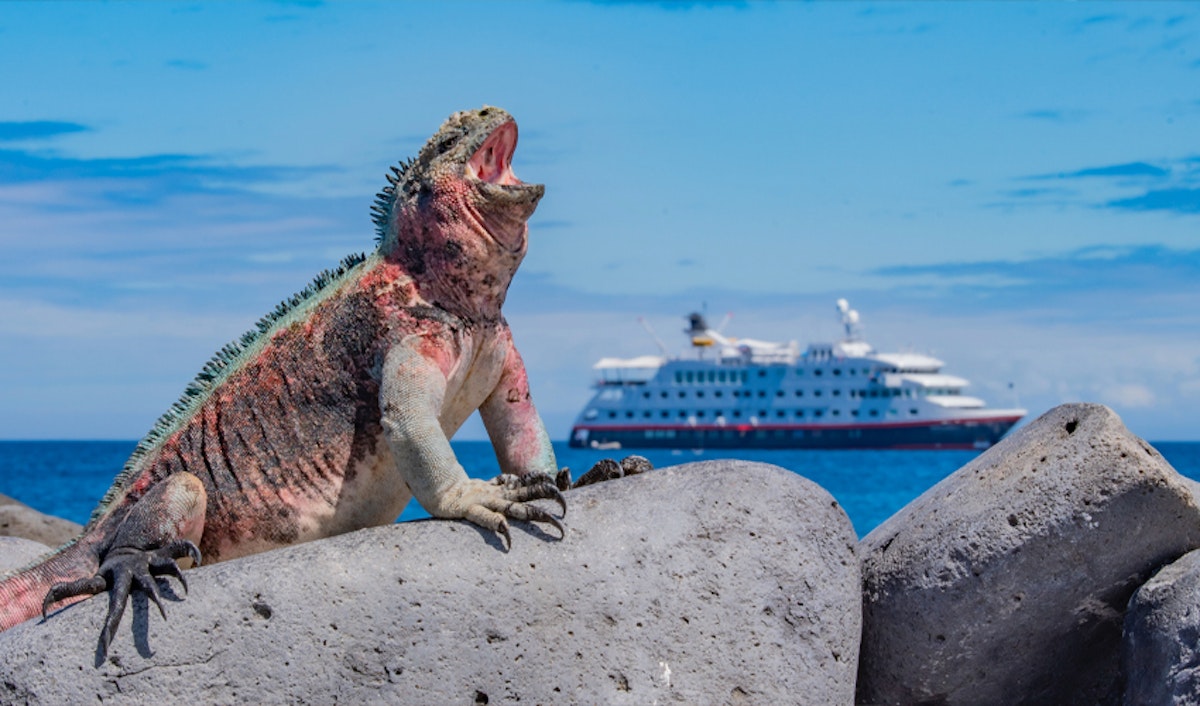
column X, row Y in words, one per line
column 385, row 200
column 225, row 359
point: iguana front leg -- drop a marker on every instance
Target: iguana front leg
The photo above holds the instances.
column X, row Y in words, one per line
column 412, row 395
column 163, row 526
column 512, row 422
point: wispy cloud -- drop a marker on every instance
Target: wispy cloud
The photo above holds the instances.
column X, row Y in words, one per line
column 676, row 5
column 1171, row 200
column 1138, row 288
column 38, row 130
column 1131, row 169
column 159, row 175
column 187, row 64
column 1148, row 185
column 1058, row 115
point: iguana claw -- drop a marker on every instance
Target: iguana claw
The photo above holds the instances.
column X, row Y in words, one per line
column 514, row 502
column 608, row 469
column 122, row 568
column 532, row 486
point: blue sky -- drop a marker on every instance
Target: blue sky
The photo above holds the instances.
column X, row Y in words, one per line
column 1013, row 187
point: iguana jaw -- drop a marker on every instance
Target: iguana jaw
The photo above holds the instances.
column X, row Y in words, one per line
column 490, row 170
column 492, row 162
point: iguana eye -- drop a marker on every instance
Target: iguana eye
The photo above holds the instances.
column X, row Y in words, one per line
column 448, row 141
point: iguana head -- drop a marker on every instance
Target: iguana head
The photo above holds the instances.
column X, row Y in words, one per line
column 455, row 216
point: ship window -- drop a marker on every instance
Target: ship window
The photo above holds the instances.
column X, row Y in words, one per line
column 837, row 393
column 874, row 413
column 912, row 410
column 762, row 413
column 612, row 415
column 629, row 414
column 646, row 414
column 836, row 413
column 817, row 371
column 737, row 412
column 682, row 394
column 665, row 414
column 646, row 395
column 817, row 413
column 718, row 393
column 690, row 376
column 682, row 414
column 780, row 414
column 779, row 393
column 762, row 393
column 664, row 394
column 699, row 393
column 816, row 393
column 854, row 412
column 700, row 414
column 837, row 371
column 678, row 376
column 799, row 393
column 800, row 414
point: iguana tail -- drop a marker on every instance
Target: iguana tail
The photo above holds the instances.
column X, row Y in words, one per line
column 22, row 592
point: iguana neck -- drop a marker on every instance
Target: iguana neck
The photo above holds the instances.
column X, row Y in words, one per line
column 461, row 257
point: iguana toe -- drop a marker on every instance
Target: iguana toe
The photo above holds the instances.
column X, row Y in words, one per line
column 508, row 496
column 532, row 486
column 608, row 469
column 122, row 569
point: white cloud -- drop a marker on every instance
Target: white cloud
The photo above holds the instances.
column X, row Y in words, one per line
column 1129, row 395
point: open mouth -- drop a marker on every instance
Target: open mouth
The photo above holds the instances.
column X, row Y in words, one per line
column 492, row 162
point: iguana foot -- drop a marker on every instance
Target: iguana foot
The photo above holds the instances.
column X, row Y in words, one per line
column 608, row 469
column 121, row 570
column 511, row 496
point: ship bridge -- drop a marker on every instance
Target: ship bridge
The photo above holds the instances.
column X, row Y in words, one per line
column 628, row 371
column 908, row 362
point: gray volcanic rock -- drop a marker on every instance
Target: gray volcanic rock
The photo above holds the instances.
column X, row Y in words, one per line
column 713, row 582
column 1007, row 582
column 19, row 520
column 16, row 552
column 1160, row 657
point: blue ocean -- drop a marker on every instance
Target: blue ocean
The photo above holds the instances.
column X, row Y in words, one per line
column 68, row 478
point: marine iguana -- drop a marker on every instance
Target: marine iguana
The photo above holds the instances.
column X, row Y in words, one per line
column 338, row 407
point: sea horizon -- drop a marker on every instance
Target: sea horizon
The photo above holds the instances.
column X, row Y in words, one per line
column 67, row 478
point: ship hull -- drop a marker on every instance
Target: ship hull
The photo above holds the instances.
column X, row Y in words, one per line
column 940, row 434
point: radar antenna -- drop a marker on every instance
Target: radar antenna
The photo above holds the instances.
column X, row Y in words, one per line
column 657, row 341
column 850, row 320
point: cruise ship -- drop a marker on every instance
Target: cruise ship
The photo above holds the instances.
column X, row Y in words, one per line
column 745, row 393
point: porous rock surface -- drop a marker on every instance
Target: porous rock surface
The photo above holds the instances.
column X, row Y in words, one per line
column 17, row 552
column 714, row 582
column 1160, row 650
column 19, row 520
column 1007, row 582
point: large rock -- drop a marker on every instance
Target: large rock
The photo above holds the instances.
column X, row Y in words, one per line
column 1160, row 654
column 707, row 583
column 17, row 552
column 1006, row 583
column 19, row 520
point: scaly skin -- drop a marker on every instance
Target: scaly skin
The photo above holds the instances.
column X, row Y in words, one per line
column 340, row 409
